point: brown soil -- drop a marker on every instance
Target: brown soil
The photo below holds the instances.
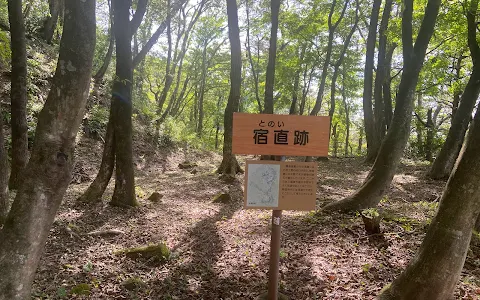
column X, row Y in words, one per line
column 221, row 251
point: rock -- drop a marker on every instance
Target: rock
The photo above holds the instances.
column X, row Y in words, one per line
column 133, row 283
column 187, row 165
column 157, row 252
column 222, row 198
column 194, row 171
column 155, row 197
column 81, row 289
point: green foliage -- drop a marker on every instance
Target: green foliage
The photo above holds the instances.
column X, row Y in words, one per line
column 81, row 289
column 96, row 121
column 5, row 53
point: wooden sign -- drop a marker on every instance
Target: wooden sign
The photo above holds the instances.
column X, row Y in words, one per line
column 280, row 134
column 281, row 185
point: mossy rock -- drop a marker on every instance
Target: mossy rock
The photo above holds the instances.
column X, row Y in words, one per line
column 81, row 289
column 157, row 252
column 133, row 284
column 155, row 197
column 187, row 165
column 222, row 198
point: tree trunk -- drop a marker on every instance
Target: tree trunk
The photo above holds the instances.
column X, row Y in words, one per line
column 373, row 141
column 4, row 203
column 229, row 163
column 98, row 77
column 296, row 83
column 48, row 172
column 52, row 19
column 391, row 150
column 457, row 93
column 381, row 75
column 124, row 192
column 430, row 135
column 168, row 75
column 347, row 115
column 443, row 164
column 250, row 59
column 326, row 63
column 96, row 189
column 419, row 126
column 272, row 56
column 387, row 92
column 434, row 271
column 18, row 93
column 360, row 141
column 202, row 90
column 306, row 88
column 335, row 140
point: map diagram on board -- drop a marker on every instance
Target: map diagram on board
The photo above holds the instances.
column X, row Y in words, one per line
column 263, row 185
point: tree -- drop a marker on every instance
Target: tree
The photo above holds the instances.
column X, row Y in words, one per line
column 48, row 172
column 381, row 75
column 18, row 93
column 229, row 163
column 117, row 150
column 98, row 77
column 272, row 56
column 435, row 269
column 391, row 150
column 373, row 141
column 443, row 164
column 56, row 11
column 3, row 174
column 331, row 32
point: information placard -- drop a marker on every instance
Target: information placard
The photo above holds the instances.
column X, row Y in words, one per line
column 281, row 185
column 280, row 134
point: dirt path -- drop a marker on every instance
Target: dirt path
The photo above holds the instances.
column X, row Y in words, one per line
column 220, row 251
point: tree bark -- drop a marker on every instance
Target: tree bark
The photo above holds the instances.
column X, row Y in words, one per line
column 272, row 56
column 3, row 174
column 250, row 59
column 347, row 114
column 419, row 126
column 391, row 150
column 373, row 141
column 18, row 93
column 229, row 163
column 326, row 64
column 48, row 172
column 296, row 83
column 434, row 271
column 124, row 192
column 381, row 75
column 387, row 91
column 443, row 164
column 430, row 135
column 51, row 23
column 202, row 89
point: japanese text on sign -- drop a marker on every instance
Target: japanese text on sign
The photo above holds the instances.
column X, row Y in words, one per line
column 280, row 134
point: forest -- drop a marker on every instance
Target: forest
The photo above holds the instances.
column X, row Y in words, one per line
column 118, row 178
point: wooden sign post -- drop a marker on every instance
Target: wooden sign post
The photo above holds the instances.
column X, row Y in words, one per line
column 278, row 184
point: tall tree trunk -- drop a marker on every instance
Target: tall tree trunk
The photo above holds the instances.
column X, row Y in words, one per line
column 296, row 83
column 96, row 189
column 347, row 115
column 229, row 163
column 306, row 88
column 124, row 192
column 383, row 170
column 339, row 62
column 457, row 93
column 373, row 141
column 436, row 268
column 250, row 59
column 381, row 75
column 430, row 134
column 168, row 75
column 52, row 19
column 360, row 141
column 272, row 56
column 386, row 89
column 326, row 64
column 3, row 174
column 202, row 89
column 48, row 172
column 443, row 164
column 419, row 125
column 18, row 93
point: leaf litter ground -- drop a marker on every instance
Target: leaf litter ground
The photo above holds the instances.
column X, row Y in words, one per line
column 221, row 251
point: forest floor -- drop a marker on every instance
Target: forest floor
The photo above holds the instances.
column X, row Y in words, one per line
column 220, row 250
